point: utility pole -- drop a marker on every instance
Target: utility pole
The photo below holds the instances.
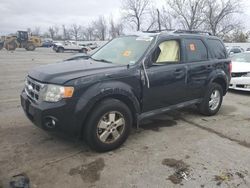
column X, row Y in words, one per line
column 158, row 19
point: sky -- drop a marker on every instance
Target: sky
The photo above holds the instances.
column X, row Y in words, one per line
column 23, row 14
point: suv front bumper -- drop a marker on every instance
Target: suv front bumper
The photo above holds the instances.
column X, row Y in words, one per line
column 57, row 116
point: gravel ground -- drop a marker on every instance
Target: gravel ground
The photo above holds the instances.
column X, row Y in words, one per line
column 178, row 149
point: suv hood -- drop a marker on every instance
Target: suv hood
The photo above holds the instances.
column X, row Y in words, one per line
column 240, row 67
column 59, row 73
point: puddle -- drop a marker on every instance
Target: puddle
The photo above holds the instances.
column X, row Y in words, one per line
column 89, row 172
column 156, row 124
column 181, row 170
column 226, row 177
column 20, row 181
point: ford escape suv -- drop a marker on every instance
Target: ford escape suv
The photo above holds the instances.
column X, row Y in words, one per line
column 129, row 79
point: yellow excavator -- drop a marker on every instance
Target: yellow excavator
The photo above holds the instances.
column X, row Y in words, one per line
column 21, row 40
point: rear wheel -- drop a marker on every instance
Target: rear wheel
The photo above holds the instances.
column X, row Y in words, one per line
column 1, row 45
column 60, row 50
column 212, row 100
column 84, row 50
column 108, row 126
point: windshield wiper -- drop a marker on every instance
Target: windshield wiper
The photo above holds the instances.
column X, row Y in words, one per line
column 101, row 60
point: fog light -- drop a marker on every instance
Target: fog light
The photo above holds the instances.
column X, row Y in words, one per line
column 50, row 123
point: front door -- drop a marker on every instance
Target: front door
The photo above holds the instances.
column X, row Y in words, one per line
column 166, row 76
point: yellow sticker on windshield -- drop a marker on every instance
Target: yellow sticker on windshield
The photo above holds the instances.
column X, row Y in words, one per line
column 126, row 53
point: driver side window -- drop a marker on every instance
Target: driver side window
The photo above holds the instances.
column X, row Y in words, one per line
column 166, row 52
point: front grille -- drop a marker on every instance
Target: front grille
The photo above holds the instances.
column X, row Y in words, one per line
column 238, row 74
column 33, row 88
column 240, row 85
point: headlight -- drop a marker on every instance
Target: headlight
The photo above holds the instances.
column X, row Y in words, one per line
column 54, row 93
column 247, row 74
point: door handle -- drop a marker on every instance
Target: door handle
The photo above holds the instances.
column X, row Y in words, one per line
column 178, row 71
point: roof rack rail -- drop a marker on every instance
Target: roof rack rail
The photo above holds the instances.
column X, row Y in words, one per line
column 158, row 31
column 179, row 31
column 192, row 32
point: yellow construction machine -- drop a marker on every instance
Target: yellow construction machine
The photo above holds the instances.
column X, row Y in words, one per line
column 21, row 40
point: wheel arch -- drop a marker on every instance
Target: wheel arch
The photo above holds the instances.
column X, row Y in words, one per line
column 99, row 92
column 221, row 81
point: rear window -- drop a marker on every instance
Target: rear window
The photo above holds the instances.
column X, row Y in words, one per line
column 217, row 48
column 196, row 50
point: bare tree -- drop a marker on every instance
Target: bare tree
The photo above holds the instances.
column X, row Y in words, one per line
column 100, row 28
column 35, row 31
column 167, row 19
column 152, row 19
column 75, row 31
column 219, row 16
column 65, row 32
column 160, row 19
column 239, row 36
column 189, row 12
column 135, row 10
column 88, row 33
column 115, row 30
column 53, row 32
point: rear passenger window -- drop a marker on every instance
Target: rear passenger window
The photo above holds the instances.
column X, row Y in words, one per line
column 217, row 48
column 196, row 50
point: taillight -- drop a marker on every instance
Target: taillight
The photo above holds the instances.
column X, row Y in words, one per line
column 230, row 67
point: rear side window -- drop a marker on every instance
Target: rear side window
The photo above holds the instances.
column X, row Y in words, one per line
column 217, row 48
column 196, row 50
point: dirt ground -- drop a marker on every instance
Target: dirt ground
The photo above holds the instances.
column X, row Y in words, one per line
column 178, row 149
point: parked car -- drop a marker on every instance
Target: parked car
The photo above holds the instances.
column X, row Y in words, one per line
column 92, row 45
column 127, row 80
column 47, row 44
column 70, row 46
column 240, row 72
column 234, row 50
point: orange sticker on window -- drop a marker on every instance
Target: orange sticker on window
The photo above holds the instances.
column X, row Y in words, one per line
column 126, row 53
column 192, row 47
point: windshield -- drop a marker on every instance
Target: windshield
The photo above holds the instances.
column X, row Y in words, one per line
column 241, row 57
column 123, row 50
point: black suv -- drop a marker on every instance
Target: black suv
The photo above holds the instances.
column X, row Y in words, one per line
column 129, row 79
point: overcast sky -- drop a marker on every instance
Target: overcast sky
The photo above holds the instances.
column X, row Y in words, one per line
column 23, row 14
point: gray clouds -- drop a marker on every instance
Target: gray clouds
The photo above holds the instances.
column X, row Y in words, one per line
column 21, row 14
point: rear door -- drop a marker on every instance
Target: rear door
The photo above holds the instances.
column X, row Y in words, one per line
column 200, row 66
column 166, row 75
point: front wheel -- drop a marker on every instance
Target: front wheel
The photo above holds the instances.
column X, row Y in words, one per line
column 10, row 46
column 212, row 100
column 108, row 126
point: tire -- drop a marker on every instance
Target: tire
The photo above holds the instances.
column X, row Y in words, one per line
column 10, row 46
column 1, row 45
column 209, row 106
column 60, row 50
column 99, row 130
column 30, row 47
column 83, row 50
